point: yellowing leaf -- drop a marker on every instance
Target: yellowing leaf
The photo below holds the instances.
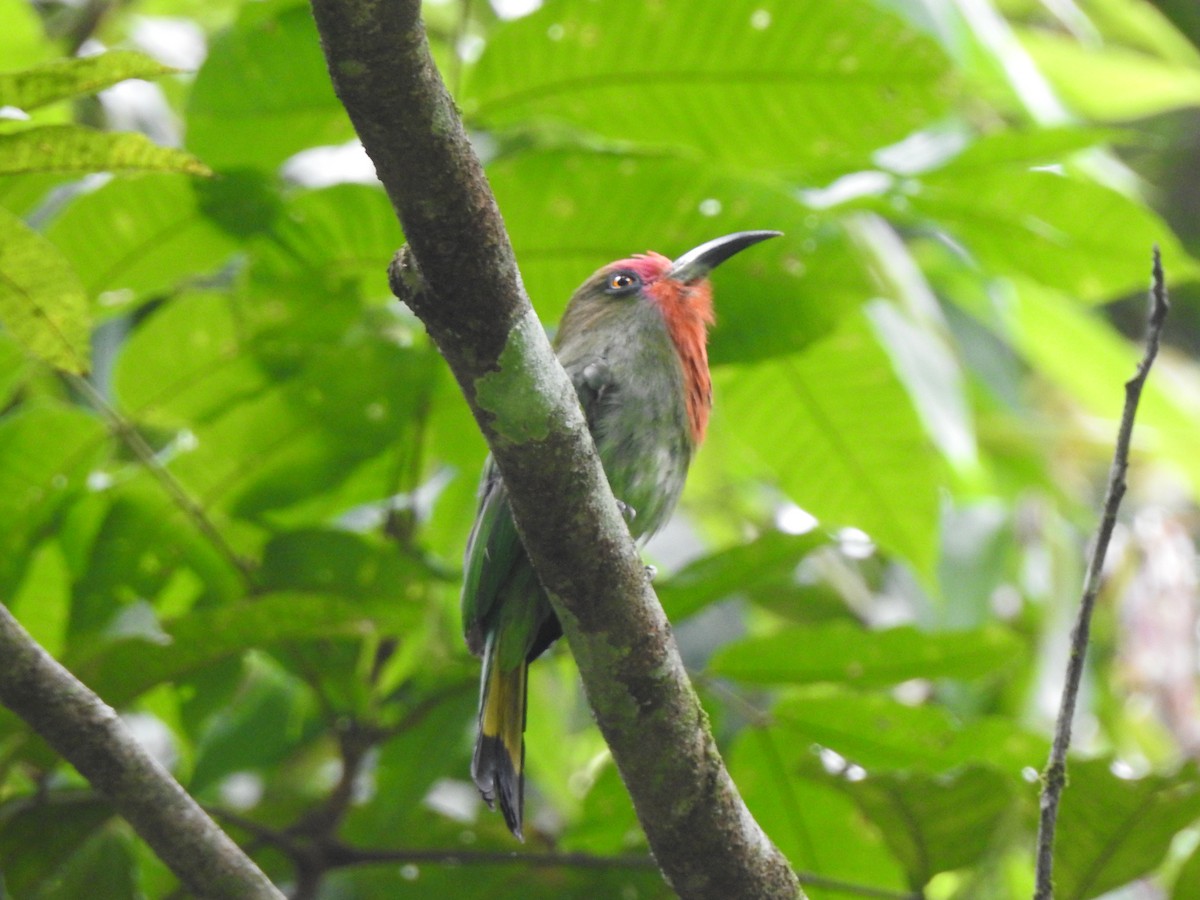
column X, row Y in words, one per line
column 42, row 302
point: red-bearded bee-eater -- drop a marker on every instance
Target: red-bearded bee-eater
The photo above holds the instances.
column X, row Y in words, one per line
column 634, row 340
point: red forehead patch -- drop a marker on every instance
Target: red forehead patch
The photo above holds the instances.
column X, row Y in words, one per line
column 649, row 266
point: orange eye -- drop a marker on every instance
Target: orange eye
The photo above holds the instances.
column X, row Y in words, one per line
column 620, row 282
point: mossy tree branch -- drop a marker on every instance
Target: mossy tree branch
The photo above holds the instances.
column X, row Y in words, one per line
column 468, row 293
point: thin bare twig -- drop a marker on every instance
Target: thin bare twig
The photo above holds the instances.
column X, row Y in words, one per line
column 1054, row 779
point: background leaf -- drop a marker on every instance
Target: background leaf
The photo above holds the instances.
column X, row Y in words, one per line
column 41, row 300
column 62, row 78
column 843, row 653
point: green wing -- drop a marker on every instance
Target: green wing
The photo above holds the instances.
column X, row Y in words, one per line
column 500, row 591
column 493, row 550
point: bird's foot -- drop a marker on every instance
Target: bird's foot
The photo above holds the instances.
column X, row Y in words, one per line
column 627, row 511
column 651, row 571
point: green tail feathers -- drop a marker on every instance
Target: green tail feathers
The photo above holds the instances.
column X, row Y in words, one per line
column 498, row 766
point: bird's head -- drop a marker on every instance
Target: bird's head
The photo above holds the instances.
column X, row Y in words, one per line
column 680, row 292
column 680, row 288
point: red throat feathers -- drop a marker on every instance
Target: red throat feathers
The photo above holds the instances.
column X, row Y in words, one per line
column 687, row 310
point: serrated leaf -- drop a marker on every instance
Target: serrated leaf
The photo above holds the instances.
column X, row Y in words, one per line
column 793, row 85
column 59, row 79
column 42, row 303
column 73, row 148
column 843, row 652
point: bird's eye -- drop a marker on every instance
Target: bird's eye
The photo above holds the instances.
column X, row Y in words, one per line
column 620, row 282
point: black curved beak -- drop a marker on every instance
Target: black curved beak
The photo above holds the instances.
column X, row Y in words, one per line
column 698, row 262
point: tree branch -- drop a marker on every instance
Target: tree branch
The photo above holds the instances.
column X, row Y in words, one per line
column 337, row 854
column 469, row 296
column 87, row 733
column 1054, row 779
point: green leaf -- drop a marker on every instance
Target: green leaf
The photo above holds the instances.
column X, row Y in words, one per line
column 103, row 866
column 36, row 838
column 141, row 550
column 347, row 233
column 338, row 562
column 1079, row 351
column 834, row 427
column 22, row 39
column 881, row 734
column 1187, row 882
column 1065, row 232
column 13, row 368
column 816, row 826
column 1027, row 148
column 569, row 212
column 608, row 822
column 765, row 561
column 1112, row 84
column 46, row 452
column 933, row 378
column 42, row 302
column 843, row 652
column 792, row 85
column 204, row 637
column 42, row 604
column 275, row 714
column 73, row 148
column 1112, row 830
column 264, row 93
column 310, row 433
column 935, row 823
column 187, row 362
column 131, row 256
column 62, row 78
column 436, row 745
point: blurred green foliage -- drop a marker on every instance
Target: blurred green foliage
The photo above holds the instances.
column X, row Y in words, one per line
column 244, row 529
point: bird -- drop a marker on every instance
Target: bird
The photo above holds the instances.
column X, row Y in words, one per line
column 633, row 340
